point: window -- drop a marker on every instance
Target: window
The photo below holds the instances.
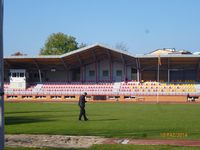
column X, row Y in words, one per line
column 14, row 74
column 21, row 74
column 17, row 74
column 36, row 75
column 91, row 73
column 119, row 73
column 105, row 73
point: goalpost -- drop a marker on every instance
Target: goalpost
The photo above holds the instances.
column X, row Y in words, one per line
column 1, row 80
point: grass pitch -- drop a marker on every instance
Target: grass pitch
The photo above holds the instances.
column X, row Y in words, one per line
column 161, row 121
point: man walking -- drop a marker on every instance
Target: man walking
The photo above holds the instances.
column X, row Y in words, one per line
column 81, row 104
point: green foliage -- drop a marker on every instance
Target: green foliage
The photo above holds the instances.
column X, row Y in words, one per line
column 82, row 45
column 105, row 119
column 59, row 43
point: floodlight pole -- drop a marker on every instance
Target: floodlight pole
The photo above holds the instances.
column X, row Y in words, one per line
column 1, row 80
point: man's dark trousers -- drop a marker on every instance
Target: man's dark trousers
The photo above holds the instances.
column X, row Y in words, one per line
column 82, row 113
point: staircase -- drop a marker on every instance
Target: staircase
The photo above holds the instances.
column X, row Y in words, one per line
column 116, row 87
column 37, row 88
column 197, row 88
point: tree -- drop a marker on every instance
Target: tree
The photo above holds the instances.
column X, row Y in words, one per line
column 121, row 46
column 82, row 45
column 59, row 43
column 18, row 54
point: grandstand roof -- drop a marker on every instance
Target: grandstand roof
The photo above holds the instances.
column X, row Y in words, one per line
column 92, row 53
column 95, row 46
column 81, row 56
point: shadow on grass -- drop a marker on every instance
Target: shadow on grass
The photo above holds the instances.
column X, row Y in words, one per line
column 104, row 119
column 23, row 119
column 26, row 112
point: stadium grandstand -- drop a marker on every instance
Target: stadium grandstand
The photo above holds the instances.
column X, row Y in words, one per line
column 105, row 74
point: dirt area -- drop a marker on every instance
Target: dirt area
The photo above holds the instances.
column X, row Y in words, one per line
column 54, row 141
column 154, row 142
column 63, row 141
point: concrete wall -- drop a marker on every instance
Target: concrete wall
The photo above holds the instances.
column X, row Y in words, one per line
column 134, row 77
column 129, row 72
column 89, row 68
column 104, row 65
column 6, row 76
column 118, row 67
column 56, row 76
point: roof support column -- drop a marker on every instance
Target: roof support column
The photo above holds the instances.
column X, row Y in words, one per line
column 138, row 69
column 85, row 71
column 67, row 68
column 168, row 80
column 168, row 70
column 82, row 73
column 79, row 59
column 198, row 72
column 39, row 72
column 125, row 73
column 125, row 68
column 68, row 76
column 64, row 64
column 138, row 75
column 111, row 65
column 6, row 62
column 96, row 71
column 40, row 77
column 81, row 67
column 96, row 66
column 111, row 70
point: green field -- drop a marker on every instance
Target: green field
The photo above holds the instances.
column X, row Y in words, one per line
column 105, row 119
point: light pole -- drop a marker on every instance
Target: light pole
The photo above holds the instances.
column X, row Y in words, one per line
column 1, row 80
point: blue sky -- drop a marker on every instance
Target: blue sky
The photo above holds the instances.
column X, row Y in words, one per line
column 142, row 25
